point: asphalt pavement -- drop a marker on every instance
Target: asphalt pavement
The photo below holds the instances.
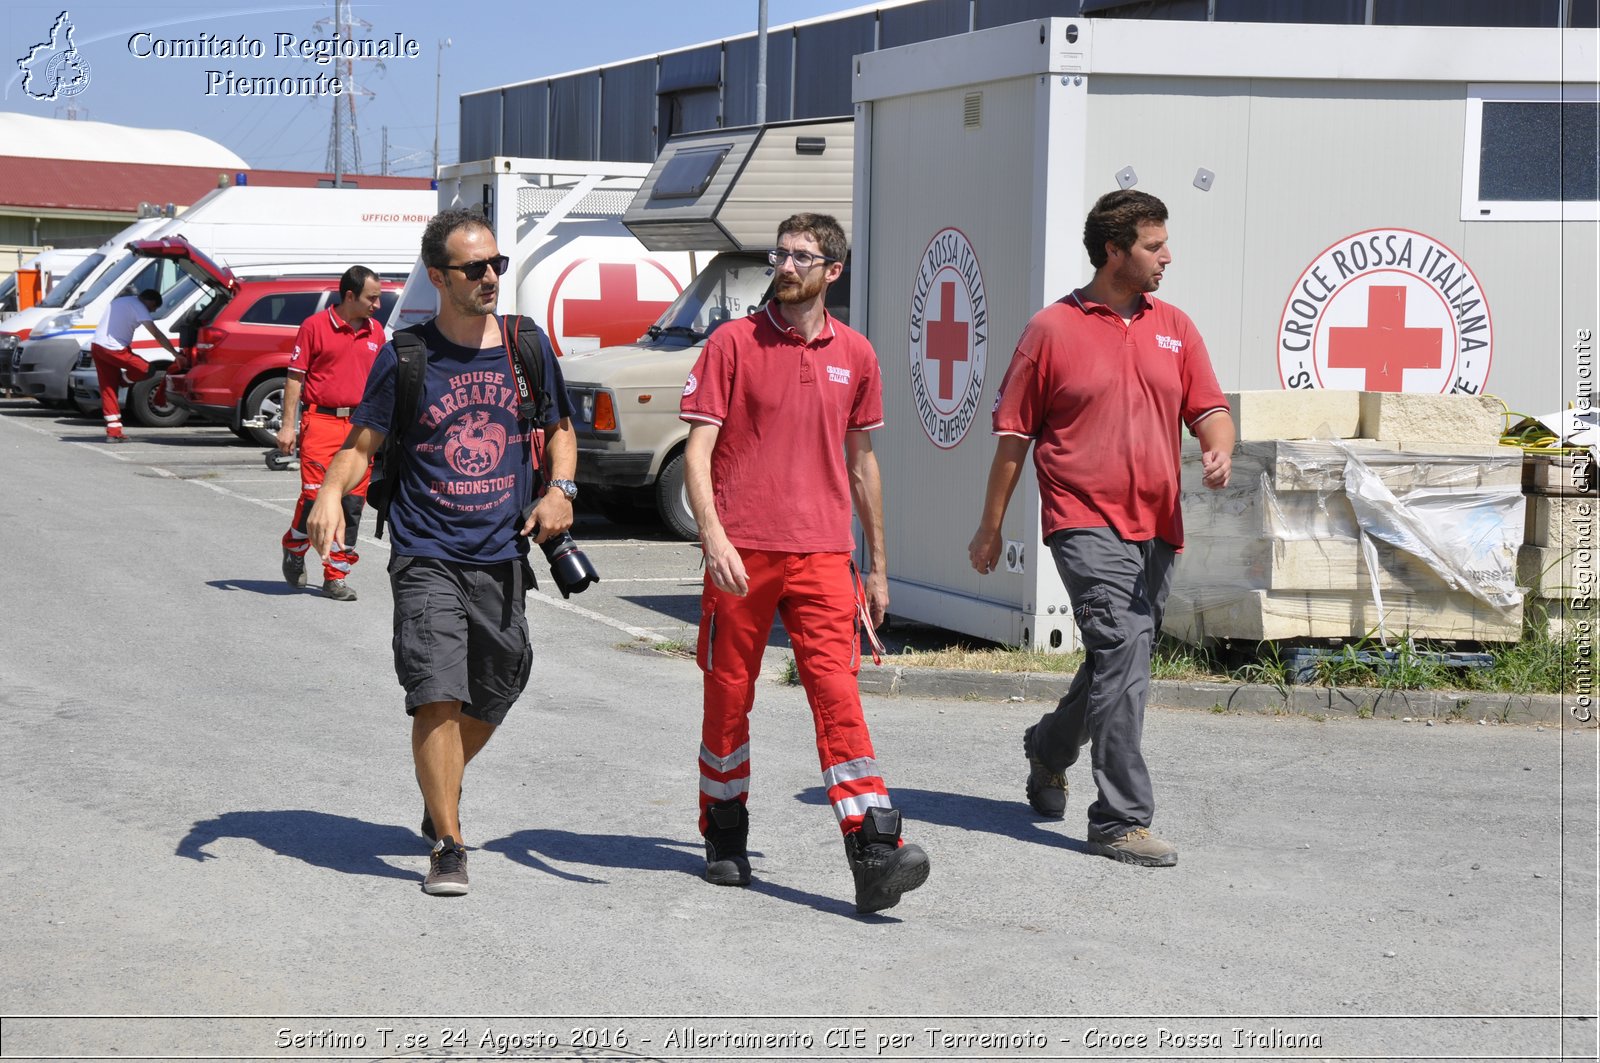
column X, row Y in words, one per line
column 212, row 846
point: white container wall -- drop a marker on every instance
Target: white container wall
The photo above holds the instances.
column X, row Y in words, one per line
column 1316, row 176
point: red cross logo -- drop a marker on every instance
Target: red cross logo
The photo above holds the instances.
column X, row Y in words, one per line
column 1385, row 348
column 619, row 315
column 947, row 340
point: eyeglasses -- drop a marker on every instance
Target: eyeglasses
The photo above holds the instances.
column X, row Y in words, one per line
column 803, row 260
column 473, row 271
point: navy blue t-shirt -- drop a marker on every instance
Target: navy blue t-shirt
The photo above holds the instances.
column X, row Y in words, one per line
column 467, row 473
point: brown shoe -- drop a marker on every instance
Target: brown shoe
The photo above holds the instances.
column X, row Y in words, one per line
column 1138, row 846
column 338, row 590
column 1046, row 789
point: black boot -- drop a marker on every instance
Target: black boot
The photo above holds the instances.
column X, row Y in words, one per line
column 727, row 834
column 884, row 869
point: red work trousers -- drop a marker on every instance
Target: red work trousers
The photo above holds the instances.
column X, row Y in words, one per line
column 321, row 436
column 108, row 367
column 816, row 595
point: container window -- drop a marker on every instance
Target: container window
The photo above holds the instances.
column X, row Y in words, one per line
column 1531, row 154
column 688, row 173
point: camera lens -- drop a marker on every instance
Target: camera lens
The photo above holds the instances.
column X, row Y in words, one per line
column 569, row 566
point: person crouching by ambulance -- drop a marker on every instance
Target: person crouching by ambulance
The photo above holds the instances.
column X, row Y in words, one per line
column 115, row 364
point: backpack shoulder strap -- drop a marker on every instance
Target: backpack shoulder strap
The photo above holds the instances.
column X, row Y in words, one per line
column 411, row 363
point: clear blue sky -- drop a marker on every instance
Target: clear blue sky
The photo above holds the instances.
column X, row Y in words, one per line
column 493, row 44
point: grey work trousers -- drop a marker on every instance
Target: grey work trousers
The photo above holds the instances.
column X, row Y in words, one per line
column 1118, row 589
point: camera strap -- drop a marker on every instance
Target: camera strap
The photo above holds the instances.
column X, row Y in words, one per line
column 527, row 407
column 529, row 404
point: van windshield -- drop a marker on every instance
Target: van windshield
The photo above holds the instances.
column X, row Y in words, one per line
column 63, row 288
column 730, row 287
column 104, row 281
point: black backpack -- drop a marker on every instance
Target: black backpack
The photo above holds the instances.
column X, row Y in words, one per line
column 411, row 357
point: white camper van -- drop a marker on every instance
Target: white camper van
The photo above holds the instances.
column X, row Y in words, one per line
column 727, row 191
column 253, row 231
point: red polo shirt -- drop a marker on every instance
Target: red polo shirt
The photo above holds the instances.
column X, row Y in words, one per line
column 1103, row 399
column 782, row 407
column 334, row 358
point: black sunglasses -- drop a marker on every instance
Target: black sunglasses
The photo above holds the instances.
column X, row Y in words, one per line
column 474, row 271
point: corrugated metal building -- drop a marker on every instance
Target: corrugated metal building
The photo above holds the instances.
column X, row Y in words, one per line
column 625, row 111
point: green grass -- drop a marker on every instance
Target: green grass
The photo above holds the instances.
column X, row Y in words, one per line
column 1536, row 665
column 674, row 647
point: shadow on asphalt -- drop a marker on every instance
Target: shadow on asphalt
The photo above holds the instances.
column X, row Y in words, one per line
column 1009, row 819
column 180, row 437
column 274, row 588
column 684, row 607
column 534, row 848
column 338, row 843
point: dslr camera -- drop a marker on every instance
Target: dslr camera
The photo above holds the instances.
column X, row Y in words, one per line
column 570, row 567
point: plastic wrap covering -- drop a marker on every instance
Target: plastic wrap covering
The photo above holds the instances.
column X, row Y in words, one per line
column 1351, row 539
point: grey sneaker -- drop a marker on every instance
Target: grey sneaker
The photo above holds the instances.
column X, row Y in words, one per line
column 1138, row 846
column 727, row 838
column 883, row 868
column 338, row 590
column 1047, row 790
column 294, row 568
column 447, row 869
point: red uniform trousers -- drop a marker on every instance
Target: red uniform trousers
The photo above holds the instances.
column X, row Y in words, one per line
column 816, row 595
column 108, row 367
column 321, row 436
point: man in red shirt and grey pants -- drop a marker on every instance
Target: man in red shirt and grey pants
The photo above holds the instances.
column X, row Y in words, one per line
column 333, row 352
column 781, row 403
column 1099, row 384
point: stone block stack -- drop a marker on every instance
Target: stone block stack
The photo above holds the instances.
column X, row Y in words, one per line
column 1280, row 553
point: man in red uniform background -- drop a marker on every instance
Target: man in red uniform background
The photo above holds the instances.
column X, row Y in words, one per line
column 333, row 352
column 1099, row 384
column 781, row 404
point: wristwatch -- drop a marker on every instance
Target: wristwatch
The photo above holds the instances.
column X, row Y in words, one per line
column 566, row 487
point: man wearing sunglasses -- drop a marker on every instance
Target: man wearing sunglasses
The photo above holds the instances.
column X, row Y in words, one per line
column 468, row 474
column 781, row 404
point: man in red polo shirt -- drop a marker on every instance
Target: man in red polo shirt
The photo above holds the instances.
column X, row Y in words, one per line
column 333, row 352
column 1099, row 384
column 781, row 404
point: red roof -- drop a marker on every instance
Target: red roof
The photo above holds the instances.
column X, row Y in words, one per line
column 69, row 184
